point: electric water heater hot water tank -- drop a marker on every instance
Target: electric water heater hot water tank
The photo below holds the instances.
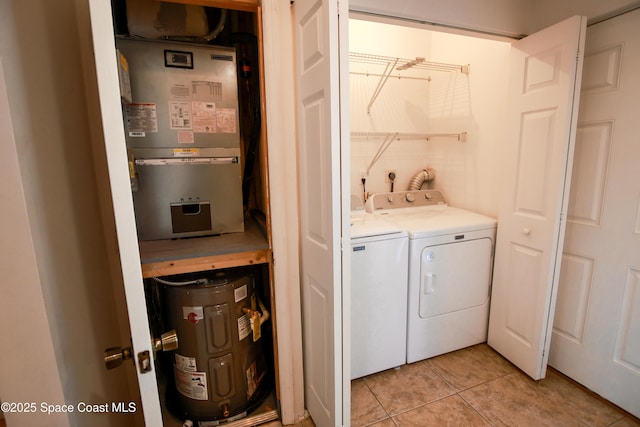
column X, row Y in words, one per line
column 219, row 368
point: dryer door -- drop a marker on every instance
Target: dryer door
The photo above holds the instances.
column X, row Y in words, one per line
column 454, row 276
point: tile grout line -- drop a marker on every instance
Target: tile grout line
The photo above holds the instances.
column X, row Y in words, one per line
column 379, row 403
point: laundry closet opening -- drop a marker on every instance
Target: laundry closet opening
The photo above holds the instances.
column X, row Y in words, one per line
column 427, row 112
column 449, row 120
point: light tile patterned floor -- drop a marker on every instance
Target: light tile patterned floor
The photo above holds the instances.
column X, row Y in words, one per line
column 476, row 387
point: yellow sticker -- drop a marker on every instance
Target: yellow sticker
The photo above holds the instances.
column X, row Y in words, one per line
column 123, row 63
column 186, row 152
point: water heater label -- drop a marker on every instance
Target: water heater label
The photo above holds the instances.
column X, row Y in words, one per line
column 192, row 384
column 186, row 363
column 240, row 293
column 192, row 314
column 244, row 327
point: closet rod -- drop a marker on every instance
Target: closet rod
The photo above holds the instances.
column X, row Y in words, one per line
column 356, row 73
column 461, row 136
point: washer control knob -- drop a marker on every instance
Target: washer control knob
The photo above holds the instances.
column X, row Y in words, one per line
column 409, row 197
column 389, row 198
column 427, row 196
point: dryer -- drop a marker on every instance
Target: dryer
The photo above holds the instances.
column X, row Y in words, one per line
column 450, row 266
column 379, row 260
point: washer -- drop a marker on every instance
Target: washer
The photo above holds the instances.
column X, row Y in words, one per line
column 379, row 260
column 450, row 265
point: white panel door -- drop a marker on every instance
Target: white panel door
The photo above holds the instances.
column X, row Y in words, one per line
column 115, row 149
column 545, row 70
column 318, row 117
column 596, row 332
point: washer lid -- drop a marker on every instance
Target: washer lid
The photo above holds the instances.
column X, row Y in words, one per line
column 428, row 222
column 367, row 225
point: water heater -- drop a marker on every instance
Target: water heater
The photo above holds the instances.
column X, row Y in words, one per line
column 219, row 369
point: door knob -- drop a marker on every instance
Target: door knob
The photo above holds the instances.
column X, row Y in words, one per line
column 114, row 356
column 167, row 341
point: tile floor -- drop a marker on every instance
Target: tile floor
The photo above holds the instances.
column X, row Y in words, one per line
column 476, row 387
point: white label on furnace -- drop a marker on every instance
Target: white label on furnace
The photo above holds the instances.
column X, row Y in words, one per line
column 186, row 363
column 240, row 293
column 185, row 137
column 179, row 91
column 180, row 115
column 141, row 118
column 226, row 120
column 204, row 117
column 192, row 384
column 244, row 327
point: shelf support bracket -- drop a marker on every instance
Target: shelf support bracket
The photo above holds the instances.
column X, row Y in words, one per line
column 383, row 79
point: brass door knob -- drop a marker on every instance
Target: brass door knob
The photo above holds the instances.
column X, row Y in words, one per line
column 114, row 356
column 167, row 341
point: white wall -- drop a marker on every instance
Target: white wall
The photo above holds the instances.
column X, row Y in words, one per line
column 548, row 12
column 24, row 319
column 504, row 17
column 39, row 47
column 468, row 172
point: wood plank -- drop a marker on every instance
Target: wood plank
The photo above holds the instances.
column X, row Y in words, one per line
column 173, row 256
column 243, row 5
column 191, row 265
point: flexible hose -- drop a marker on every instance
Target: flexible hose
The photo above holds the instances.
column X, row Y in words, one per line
column 421, row 177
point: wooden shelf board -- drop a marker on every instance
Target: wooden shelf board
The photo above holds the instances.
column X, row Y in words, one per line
column 176, row 256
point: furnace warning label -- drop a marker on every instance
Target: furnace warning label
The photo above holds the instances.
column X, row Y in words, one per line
column 191, row 384
column 180, row 92
column 204, row 117
column 226, row 120
column 141, row 118
column 206, row 91
column 180, row 115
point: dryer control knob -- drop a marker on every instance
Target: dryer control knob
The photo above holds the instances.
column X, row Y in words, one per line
column 389, row 198
column 427, row 196
column 409, row 197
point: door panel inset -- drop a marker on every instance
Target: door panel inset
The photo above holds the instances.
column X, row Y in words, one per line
column 573, row 296
column 524, row 274
column 627, row 351
column 541, row 70
column 602, row 70
column 590, row 162
column 532, row 185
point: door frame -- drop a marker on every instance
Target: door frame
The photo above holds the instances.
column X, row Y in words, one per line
column 277, row 103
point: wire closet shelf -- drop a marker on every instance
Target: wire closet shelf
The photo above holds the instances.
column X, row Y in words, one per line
column 401, row 64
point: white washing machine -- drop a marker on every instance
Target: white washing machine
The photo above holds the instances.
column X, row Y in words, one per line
column 379, row 260
column 450, row 265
